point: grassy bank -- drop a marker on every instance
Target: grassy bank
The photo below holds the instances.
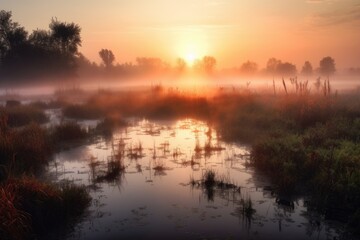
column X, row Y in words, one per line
column 29, row 208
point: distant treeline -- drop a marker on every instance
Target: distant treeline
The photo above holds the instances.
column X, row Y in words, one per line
column 54, row 54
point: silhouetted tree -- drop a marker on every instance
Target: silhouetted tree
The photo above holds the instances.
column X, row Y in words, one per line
column 277, row 67
column 249, row 67
column 272, row 65
column 307, row 69
column 107, row 57
column 327, row 66
column 13, row 39
column 209, row 64
column 41, row 39
column 286, row 69
column 66, row 39
column 180, row 65
column 66, row 36
column 146, row 64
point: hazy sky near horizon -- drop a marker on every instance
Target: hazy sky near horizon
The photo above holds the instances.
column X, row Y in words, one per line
column 233, row 31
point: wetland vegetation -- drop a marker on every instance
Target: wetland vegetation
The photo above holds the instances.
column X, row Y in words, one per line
column 147, row 150
column 307, row 145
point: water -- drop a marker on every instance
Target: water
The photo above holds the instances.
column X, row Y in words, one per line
column 152, row 197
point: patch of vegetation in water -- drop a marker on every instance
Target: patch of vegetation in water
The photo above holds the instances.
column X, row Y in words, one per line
column 20, row 115
column 30, row 208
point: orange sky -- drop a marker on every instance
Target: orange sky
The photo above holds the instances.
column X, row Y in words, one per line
column 233, row 31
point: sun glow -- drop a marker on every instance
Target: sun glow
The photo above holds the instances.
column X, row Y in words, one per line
column 190, row 58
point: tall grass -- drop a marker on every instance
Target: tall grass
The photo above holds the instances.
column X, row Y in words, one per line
column 24, row 150
column 24, row 114
column 29, row 207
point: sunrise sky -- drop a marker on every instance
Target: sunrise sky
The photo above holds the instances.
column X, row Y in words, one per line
column 233, row 31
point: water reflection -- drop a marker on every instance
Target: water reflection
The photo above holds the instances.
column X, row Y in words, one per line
column 147, row 181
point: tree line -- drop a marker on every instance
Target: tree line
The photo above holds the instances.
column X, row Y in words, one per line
column 54, row 53
column 42, row 53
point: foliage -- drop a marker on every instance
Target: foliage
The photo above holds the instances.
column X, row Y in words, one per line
column 42, row 53
column 307, row 69
column 107, row 57
column 327, row 66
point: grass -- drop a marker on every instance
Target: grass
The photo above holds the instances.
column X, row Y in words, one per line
column 82, row 112
column 68, row 131
column 307, row 143
column 24, row 150
column 29, row 207
column 320, row 158
column 210, row 182
column 21, row 115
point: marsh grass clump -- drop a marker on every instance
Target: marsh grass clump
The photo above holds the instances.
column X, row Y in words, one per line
column 212, row 183
column 29, row 207
column 82, row 111
column 208, row 178
column 247, row 209
column 25, row 150
column 106, row 126
column 20, row 115
column 68, row 131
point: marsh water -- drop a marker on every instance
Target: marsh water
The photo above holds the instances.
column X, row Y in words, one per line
column 149, row 195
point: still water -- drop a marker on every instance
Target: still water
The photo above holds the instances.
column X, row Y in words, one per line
column 151, row 196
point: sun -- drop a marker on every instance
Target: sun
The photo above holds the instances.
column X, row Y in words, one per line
column 190, row 58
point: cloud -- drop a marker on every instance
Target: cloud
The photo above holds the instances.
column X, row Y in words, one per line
column 345, row 15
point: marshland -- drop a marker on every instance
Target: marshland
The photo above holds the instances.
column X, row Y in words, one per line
column 184, row 150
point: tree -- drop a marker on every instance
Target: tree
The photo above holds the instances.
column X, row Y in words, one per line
column 12, row 37
column 66, row 36
column 307, row 69
column 249, row 67
column 65, row 39
column 41, row 39
column 277, row 67
column 209, row 64
column 180, row 65
column 107, row 57
column 327, row 66
column 286, row 69
column 272, row 65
